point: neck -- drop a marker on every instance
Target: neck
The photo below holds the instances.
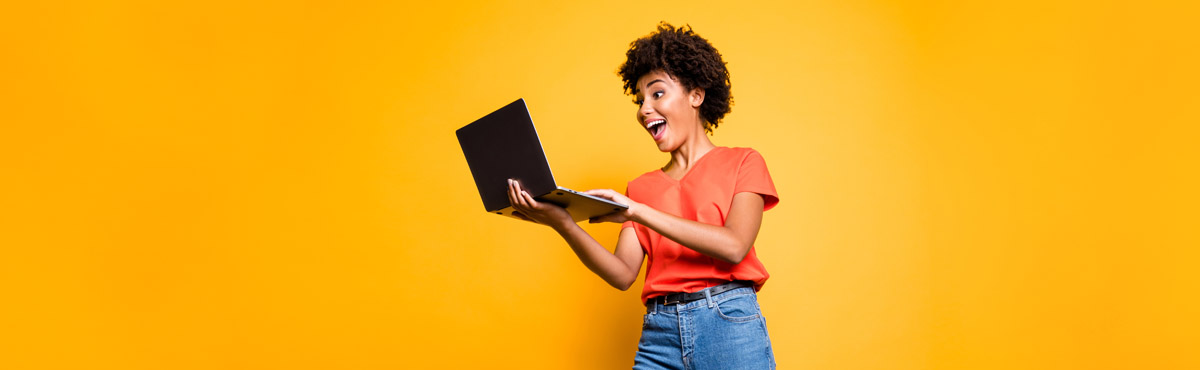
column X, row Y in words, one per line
column 695, row 147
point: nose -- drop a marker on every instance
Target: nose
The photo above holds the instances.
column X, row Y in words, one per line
column 645, row 111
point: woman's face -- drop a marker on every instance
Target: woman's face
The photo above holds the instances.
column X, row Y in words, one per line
column 667, row 111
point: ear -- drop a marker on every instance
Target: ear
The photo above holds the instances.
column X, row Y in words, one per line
column 696, row 97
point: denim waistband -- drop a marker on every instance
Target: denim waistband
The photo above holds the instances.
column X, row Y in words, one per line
column 653, row 306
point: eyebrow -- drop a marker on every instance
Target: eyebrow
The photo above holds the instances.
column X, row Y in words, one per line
column 653, row 82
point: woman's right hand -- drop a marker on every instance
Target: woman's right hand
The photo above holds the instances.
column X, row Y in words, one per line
column 533, row 210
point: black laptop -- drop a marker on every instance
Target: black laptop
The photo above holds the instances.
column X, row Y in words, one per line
column 504, row 145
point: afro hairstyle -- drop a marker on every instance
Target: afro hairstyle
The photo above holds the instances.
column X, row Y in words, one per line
column 687, row 57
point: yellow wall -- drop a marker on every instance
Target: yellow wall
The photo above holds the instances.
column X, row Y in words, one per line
column 277, row 186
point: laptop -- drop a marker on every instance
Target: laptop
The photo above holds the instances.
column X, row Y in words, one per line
column 504, row 145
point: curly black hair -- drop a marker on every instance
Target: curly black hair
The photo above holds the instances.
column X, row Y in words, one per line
column 686, row 56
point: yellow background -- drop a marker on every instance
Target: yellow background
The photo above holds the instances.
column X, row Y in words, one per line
column 277, row 185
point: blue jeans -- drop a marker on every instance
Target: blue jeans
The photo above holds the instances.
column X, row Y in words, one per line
column 723, row 331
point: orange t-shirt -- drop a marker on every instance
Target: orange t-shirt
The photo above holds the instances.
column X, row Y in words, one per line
column 704, row 194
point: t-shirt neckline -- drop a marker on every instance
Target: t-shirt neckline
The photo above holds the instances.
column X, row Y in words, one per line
column 690, row 170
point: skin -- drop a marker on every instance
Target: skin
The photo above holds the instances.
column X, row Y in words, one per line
column 660, row 96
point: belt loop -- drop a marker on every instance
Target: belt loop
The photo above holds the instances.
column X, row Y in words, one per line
column 708, row 296
column 653, row 305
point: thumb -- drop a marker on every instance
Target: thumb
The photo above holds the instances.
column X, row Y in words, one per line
column 606, row 193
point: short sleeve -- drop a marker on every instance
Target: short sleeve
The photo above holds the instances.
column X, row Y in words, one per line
column 752, row 176
column 626, row 224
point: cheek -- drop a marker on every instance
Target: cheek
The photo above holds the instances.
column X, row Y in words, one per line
column 680, row 104
column 667, row 107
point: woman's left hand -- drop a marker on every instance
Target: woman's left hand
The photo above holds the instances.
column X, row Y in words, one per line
column 612, row 195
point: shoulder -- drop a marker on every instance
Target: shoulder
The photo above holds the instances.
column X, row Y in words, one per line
column 740, row 152
column 737, row 156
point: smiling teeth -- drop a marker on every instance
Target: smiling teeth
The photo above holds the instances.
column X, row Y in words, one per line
column 653, row 123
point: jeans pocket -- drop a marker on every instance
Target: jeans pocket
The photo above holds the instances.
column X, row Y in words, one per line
column 738, row 309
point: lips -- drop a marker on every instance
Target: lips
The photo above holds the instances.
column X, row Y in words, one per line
column 657, row 127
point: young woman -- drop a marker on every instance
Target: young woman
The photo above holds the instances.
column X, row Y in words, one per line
column 695, row 219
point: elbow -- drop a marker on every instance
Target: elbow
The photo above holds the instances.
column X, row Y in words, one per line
column 622, row 283
column 737, row 255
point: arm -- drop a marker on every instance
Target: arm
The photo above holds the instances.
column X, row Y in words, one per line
column 729, row 243
column 619, row 268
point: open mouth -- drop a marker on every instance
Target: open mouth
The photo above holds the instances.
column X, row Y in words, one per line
column 657, row 128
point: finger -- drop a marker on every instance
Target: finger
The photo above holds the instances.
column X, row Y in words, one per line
column 522, row 216
column 602, row 219
column 512, row 194
column 533, row 203
column 518, row 202
column 603, row 193
column 521, row 195
column 521, row 200
column 599, row 219
column 512, row 197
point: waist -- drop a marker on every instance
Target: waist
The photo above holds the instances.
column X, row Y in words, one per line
column 684, row 298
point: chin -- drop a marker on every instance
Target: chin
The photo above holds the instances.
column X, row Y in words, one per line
column 667, row 147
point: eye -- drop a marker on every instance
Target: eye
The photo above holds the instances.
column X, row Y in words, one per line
column 658, row 94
